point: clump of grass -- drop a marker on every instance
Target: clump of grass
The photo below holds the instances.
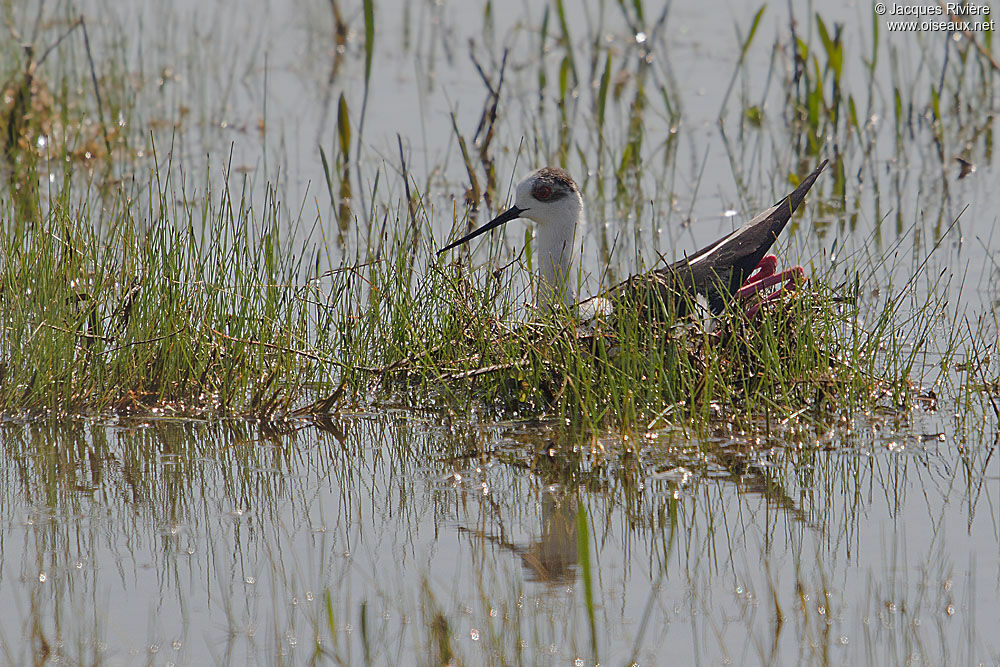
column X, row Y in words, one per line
column 632, row 371
column 153, row 307
column 207, row 311
column 433, row 332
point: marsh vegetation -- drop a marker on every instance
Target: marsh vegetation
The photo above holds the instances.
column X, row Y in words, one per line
column 246, row 403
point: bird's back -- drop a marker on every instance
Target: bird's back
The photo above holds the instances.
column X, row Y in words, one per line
column 717, row 271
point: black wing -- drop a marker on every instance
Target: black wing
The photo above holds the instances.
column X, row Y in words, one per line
column 718, row 270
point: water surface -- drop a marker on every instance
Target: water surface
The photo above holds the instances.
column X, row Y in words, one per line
column 403, row 535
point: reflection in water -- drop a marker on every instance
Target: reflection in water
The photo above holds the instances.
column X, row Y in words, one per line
column 189, row 542
column 550, row 557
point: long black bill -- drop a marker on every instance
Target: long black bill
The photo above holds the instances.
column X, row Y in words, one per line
column 510, row 214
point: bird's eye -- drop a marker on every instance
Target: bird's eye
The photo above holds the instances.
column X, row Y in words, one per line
column 542, row 192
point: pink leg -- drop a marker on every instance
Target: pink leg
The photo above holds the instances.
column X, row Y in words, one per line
column 764, row 278
column 792, row 275
column 766, row 267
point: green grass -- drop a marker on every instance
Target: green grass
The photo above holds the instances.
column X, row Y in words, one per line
column 152, row 307
column 163, row 298
column 207, row 311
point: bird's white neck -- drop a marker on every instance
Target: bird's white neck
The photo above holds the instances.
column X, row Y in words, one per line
column 556, row 250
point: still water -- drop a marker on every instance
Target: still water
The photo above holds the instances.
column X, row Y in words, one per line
column 403, row 536
column 192, row 544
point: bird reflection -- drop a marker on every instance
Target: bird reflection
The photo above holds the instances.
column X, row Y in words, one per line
column 551, row 557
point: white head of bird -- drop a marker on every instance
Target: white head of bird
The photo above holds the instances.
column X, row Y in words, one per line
column 550, row 198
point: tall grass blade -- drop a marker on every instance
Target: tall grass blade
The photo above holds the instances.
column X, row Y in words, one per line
column 586, row 574
column 744, row 47
column 369, row 12
column 567, row 42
